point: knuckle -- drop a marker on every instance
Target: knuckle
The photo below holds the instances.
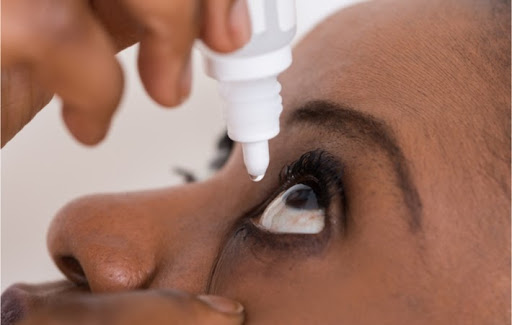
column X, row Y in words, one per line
column 60, row 22
column 159, row 16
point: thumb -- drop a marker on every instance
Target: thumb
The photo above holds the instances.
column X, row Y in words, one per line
column 220, row 311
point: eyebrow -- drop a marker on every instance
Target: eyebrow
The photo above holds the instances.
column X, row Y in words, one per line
column 361, row 126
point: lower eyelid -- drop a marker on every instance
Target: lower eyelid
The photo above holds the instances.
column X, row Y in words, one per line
column 285, row 242
column 259, row 246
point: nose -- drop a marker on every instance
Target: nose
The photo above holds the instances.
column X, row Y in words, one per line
column 121, row 242
column 102, row 242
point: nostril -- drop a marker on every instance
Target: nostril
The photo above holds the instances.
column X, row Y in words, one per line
column 73, row 270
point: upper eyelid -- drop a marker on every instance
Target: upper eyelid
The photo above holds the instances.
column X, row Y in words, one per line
column 318, row 163
column 330, row 169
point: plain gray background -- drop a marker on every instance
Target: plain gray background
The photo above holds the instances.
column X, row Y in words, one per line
column 43, row 168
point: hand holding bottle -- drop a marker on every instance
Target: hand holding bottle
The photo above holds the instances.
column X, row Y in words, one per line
column 67, row 48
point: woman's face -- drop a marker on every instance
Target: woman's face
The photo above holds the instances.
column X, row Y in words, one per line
column 371, row 210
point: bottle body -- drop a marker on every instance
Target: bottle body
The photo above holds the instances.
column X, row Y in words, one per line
column 248, row 80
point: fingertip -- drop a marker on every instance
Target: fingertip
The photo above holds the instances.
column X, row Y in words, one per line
column 88, row 117
column 159, row 88
column 239, row 24
column 85, row 129
column 223, row 305
column 158, row 91
column 186, row 80
column 226, row 25
column 220, row 310
column 165, row 76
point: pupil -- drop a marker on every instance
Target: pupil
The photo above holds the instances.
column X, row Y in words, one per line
column 303, row 198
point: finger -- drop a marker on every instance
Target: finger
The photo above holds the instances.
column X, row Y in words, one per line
column 138, row 308
column 71, row 55
column 172, row 306
column 225, row 24
column 22, row 98
column 170, row 28
column 225, row 311
column 122, row 27
column 165, row 69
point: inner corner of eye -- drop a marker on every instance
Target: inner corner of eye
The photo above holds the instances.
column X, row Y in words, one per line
column 294, row 211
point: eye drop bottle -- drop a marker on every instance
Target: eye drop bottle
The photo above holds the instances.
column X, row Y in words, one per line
column 248, row 80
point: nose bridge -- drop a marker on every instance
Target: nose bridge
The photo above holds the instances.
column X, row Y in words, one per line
column 162, row 238
column 201, row 216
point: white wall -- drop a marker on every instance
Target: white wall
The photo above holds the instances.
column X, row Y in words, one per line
column 43, row 168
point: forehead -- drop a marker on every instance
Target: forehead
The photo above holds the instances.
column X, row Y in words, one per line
column 419, row 65
column 401, row 62
column 365, row 57
column 392, row 58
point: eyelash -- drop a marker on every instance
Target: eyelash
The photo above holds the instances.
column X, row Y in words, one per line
column 317, row 169
column 323, row 173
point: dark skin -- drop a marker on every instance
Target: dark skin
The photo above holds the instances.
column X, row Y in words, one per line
column 410, row 110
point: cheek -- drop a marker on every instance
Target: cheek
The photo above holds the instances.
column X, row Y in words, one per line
column 280, row 287
column 349, row 282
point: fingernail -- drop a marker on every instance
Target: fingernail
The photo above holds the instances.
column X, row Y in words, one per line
column 240, row 23
column 222, row 304
column 185, row 80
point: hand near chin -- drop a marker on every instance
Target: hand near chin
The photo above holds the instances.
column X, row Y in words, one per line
column 138, row 308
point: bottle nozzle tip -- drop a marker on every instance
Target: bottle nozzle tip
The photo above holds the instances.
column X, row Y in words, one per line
column 256, row 159
column 256, row 178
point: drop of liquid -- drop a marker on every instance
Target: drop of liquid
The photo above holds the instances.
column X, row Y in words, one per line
column 256, row 178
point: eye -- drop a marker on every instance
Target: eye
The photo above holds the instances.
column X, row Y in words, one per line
column 294, row 211
column 300, row 218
